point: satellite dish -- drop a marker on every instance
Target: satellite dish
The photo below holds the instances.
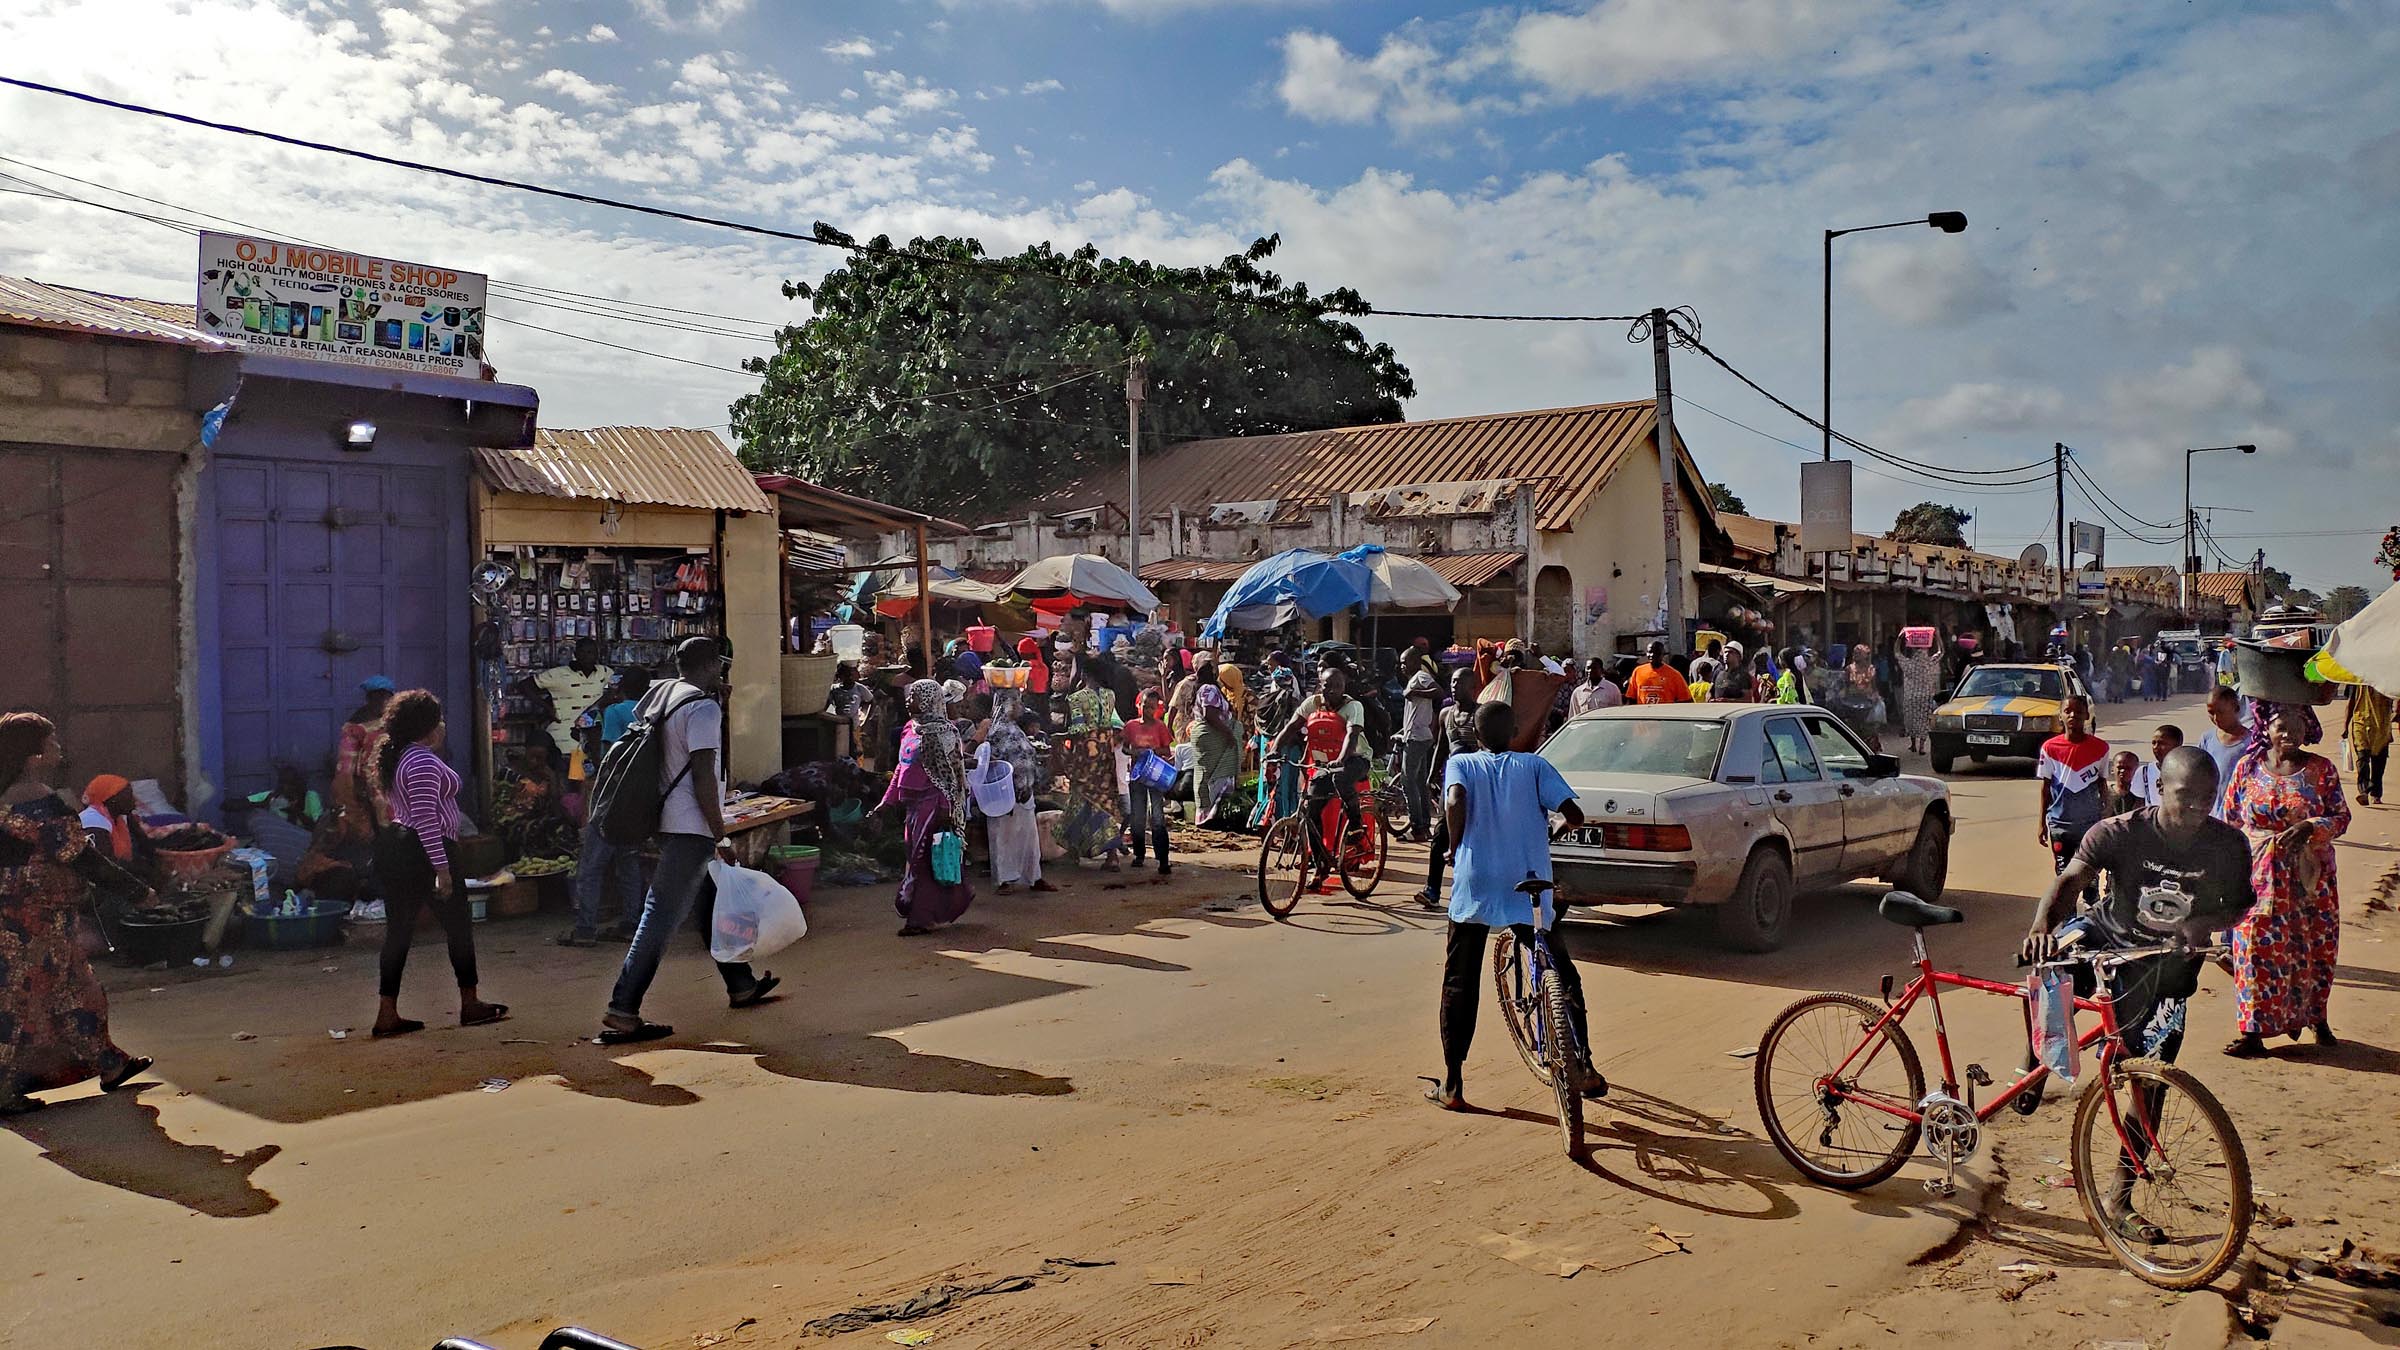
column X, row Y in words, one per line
column 2157, row 576
column 2035, row 555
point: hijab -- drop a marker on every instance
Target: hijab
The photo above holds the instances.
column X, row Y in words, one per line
column 1009, row 743
column 120, row 830
column 1236, row 690
column 934, row 742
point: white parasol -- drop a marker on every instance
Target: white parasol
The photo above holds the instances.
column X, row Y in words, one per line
column 2366, row 646
column 1089, row 577
column 1403, row 582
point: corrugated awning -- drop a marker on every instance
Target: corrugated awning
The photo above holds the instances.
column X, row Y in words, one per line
column 1194, row 569
column 1470, row 570
column 1757, row 580
column 647, row 466
column 75, row 310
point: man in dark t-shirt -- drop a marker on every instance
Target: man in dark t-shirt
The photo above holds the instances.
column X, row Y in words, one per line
column 2172, row 870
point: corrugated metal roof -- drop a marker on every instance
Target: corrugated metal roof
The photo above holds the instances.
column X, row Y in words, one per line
column 2232, row 588
column 1469, row 570
column 75, row 310
column 1195, row 569
column 1566, row 454
column 648, row 466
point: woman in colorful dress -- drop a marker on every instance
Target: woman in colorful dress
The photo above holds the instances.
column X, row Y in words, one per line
column 1016, row 845
column 2369, row 731
column 1216, row 745
column 930, row 788
column 354, row 786
column 2289, row 803
column 1094, row 824
column 1920, row 689
column 53, row 1016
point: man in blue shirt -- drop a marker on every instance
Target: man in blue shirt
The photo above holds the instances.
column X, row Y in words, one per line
column 1496, row 805
column 603, row 866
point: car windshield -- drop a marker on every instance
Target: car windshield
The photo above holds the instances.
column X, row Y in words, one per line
column 1680, row 747
column 1990, row 683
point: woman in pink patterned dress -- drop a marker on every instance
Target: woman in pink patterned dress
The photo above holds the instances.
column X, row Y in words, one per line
column 2289, row 803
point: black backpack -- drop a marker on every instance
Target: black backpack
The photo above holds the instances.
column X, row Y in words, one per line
column 626, row 800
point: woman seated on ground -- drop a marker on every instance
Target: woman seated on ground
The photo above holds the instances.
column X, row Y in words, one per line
column 116, row 825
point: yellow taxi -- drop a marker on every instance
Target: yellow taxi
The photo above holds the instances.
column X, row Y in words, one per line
column 2003, row 710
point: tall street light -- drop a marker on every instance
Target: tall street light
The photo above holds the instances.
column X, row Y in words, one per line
column 1948, row 222
column 2183, row 565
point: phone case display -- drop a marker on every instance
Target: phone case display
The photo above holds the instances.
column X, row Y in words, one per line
column 636, row 603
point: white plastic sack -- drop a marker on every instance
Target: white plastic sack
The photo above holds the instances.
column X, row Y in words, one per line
column 2050, row 997
column 755, row 916
column 993, row 783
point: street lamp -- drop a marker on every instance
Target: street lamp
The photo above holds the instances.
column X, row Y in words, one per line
column 2184, row 568
column 1948, row 222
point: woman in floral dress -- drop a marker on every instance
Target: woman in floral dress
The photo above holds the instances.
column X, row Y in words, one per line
column 2289, row 803
column 1094, row 824
column 53, row 1016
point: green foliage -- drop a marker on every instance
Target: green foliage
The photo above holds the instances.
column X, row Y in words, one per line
column 1727, row 500
column 2343, row 601
column 1931, row 523
column 957, row 385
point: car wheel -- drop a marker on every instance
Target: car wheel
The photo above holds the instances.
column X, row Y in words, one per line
column 1943, row 753
column 1928, row 868
column 1755, row 919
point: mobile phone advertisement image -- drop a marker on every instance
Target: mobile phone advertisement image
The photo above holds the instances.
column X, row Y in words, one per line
column 329, row 305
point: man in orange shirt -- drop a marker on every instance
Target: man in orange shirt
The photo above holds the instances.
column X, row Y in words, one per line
column 1657, row 682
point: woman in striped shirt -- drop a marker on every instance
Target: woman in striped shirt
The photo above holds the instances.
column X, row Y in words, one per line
column 412, row 861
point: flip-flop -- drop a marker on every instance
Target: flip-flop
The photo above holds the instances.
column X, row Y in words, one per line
column 1448, row 1101
column 757, row 993
column 400, row 1028
column 647, row 1031
column 137, row 1065
column 492, row 1012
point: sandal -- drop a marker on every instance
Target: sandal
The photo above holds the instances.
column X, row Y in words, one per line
column 21, row 1106
column 1042, row 886
column 400, row 1028
column 2325, row 1036
column 756, row 993
column 912, row 930
column 135, row 1065
column 492, row 1012
column 574, row 939
column 1446, row 1099
column 2246, row 1047
column 639, row 1031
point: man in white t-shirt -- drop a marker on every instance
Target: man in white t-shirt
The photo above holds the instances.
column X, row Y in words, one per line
column 573, row 687
column 2165, row 740
column 691, row 831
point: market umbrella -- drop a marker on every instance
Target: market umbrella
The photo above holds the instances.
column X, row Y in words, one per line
column 1296, row 583
column 1087, row 577
column 2365, row 648
column 899, row 599
column 1401, row 581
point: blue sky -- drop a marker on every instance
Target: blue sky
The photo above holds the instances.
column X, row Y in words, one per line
column 2183, row 216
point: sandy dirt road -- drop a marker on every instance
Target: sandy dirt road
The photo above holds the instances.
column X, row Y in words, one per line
column 1221, row 1108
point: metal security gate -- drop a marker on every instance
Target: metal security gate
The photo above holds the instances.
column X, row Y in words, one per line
column 327, row 573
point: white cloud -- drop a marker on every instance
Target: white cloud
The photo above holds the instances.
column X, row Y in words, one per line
column 577, row 87
column 682, row 15
column 907, row 93
column 851, row 49
column 1032, row 87
column 1403, row 82
column 600, row 33
column 1626, row 46
column 703, row 73
column 1929, row 280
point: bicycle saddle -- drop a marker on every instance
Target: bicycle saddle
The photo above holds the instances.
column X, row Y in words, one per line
column 1910, row 912
column 1534, row 886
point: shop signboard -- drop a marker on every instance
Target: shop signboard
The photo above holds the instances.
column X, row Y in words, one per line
column 2091, row 586
column 1825, row 506
column 330, row 305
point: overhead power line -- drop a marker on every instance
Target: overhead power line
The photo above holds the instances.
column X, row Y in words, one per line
column 2074, row 463
column 1683, row 400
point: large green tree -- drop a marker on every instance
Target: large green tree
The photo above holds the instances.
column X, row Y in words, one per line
column 1727, row 500
column 2343, row 601
column 1931, row 523
column 930, row 374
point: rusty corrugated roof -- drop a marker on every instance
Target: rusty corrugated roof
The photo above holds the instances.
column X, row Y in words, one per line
column 2231, row 588
column 1467, row 571
column 1195, row 569
column 1566, row 454
column 73, row 309
column 648, row 466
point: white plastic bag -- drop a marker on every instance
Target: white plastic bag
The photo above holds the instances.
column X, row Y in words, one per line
column 993, row 783
column 2050, row 998
column 755, row 916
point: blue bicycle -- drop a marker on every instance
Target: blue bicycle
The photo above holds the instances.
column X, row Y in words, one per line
column 1541, row 1021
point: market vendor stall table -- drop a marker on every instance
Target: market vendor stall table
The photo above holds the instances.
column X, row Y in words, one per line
column 757, row 823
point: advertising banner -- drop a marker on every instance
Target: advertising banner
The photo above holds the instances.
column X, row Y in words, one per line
column 1825, row 506
column 329, row 305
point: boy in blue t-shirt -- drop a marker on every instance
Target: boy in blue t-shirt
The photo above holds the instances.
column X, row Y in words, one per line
column 1496, row 805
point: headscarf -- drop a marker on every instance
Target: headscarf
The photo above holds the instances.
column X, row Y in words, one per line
column 1009, row 743
column 934, row 743
column 2263, row 711
column 120, row 830
column 1237, row 691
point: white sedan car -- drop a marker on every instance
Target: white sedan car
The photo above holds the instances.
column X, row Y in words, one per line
column 1739, row 806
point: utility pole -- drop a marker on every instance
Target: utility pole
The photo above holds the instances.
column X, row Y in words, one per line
column 1670, row 508
column 1137, row 388
column 2183, row 565
column 1825, row 428
column 2058, row 488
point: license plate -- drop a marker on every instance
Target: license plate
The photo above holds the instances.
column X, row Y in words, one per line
column 1986, row 738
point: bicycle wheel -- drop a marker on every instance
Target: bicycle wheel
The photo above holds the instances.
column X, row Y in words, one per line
column 1283, row 866
column 2195, row 1187
column 1816, row 1121
column 1509, row 982
column 1558, row 1048
column 1364, row 854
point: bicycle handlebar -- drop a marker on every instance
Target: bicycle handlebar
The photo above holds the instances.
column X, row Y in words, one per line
column 2102, row 958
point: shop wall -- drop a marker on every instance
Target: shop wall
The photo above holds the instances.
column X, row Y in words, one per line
column 94, row 439
column 321, row 566
column 1619, row 545
column 508, row 519
column 752, row 575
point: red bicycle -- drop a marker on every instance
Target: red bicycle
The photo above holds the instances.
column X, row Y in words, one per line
column 2164, row 1182
column 1286, row 860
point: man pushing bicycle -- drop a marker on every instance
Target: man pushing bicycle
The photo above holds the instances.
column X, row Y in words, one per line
column 2173, row 872
column 1496, row 804
column 1330, row 727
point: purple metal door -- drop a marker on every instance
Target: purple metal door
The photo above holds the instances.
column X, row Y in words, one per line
column 327, row 573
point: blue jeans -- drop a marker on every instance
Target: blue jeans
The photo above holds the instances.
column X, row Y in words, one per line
column 1149, row 811
column 605, row 866
column 1416, row 766
column 682, row 872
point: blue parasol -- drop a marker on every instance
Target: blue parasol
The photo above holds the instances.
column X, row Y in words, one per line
column 1297, row 583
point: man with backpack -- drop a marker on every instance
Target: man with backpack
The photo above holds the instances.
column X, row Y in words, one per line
column 661, row 778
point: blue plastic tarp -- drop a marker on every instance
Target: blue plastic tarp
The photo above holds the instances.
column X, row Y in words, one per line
column 1296, row 583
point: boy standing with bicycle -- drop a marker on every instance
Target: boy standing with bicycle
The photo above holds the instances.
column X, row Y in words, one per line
column 1496, row 807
